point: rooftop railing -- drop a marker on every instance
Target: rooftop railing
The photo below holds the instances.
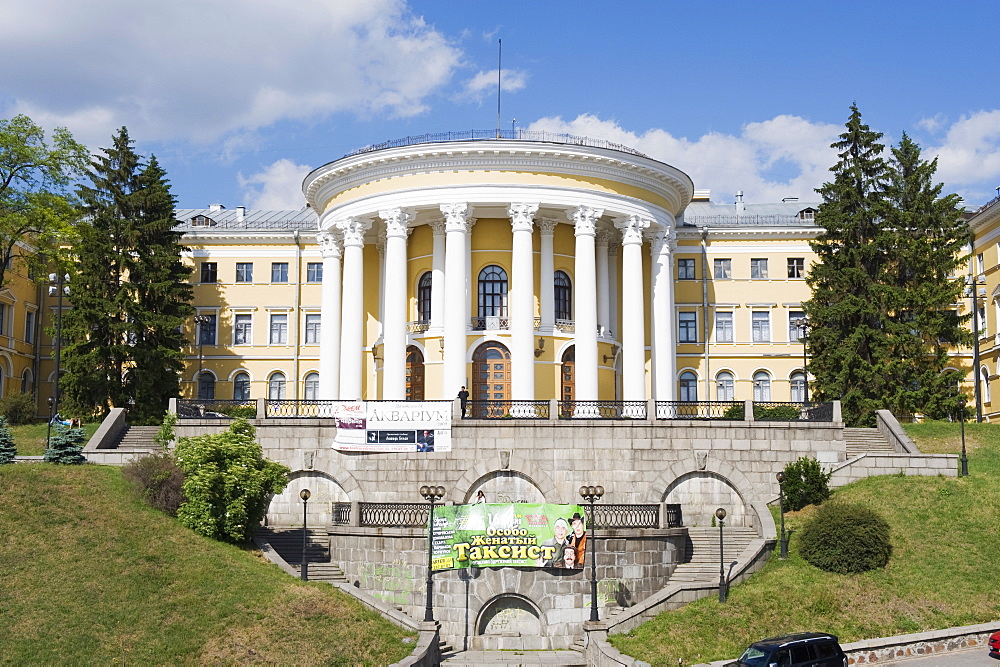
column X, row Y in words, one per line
column 485, row 135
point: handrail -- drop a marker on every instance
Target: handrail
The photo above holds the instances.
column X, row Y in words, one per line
column 517, row 134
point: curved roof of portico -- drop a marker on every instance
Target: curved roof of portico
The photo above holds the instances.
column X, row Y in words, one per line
column 493, row 174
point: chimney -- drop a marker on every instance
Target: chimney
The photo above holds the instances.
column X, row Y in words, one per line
column 241, row 212
column 740, row 206
column 215, row 208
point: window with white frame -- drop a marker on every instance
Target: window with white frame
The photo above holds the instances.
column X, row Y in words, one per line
column 29, row 326
column 985, row 379
column 758, row 269
column 796, row 329
column 311, row 386
column 689, row 387
column 761, row 386
column 685, row 269
column 279, row 329
column 206, row 329
column 760, row 323
column 980, row 263
column 312, row 329
column 724, row 327
column 798, row 387
column 244, row 272
column 723, row 269
column 276, row 387
column 687, row 327
column 796, row 267
column 314, row 272
column 5, row 311
column 279, row 272
column 241, row 387
column 725, row 386
column 206, row 386
column 243, row 329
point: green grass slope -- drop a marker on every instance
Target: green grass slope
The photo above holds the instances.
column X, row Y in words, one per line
column 945, row 555
column 30, row 438
column 88, row 575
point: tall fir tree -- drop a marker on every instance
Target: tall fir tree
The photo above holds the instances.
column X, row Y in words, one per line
column 880, row 315
column 128, row 291
column 8, row 450
column 66, row 446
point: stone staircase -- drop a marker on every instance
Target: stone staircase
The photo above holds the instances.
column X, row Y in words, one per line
column 496, row 658
column 701, row 558
column 866, row 441
column 288, row 543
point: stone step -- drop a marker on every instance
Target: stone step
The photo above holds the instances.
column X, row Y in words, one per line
column 496, row 658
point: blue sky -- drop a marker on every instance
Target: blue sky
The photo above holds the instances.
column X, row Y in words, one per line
column 240, row 98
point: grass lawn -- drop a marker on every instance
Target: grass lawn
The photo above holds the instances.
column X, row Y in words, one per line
column 30, row 438
column 88, row 575
column 944, row 552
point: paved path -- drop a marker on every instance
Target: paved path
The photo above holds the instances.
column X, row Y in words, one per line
column 978, row 657
column 512, row 658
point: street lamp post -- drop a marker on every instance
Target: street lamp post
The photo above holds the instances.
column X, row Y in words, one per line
column 48, row 429
column 199, row 321
column 720, row 514
column 431, row 494
column 592, row 494
column 964, row 459
column 781, row 506
column 803, row 325
column 57, row 288
column 304, row 495
column 974, row 283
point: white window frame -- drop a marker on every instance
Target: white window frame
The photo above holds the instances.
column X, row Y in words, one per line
column 731, row 316
column 313, row 328
column 759, row 333
column 238, row 325
column 277, row 332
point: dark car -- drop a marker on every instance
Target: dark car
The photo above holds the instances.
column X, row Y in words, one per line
column 995, row 645
column 799, row 650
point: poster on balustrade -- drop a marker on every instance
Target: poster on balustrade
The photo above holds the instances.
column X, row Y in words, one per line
column 509, row 535
column 393, row 426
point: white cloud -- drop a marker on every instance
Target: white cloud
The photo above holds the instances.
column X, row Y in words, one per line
column 484, row 84
column 932, row 124
column 199, row 69
column 969, row 156
column 277, row 187
column 787, row 156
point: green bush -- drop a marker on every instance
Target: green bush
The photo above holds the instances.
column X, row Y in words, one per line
column 805, row 484
column 846, row 539
column 238, row 411
column 18, row 409
column 776, row 413
column 227, row 483
column 734, row 411
column 158, row 480
column 7, row 449
column 165, row 435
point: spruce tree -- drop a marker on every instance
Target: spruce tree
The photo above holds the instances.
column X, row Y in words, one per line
column 128, row 291
column 66, row 446
column 7, row 449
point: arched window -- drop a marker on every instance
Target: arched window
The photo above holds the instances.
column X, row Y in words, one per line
column 761, row 386
column 689, row 386
column 563, row 296
column 312, row 386
column 206, row 386
column 724, row 386
column 492, row 292
column 984, row 377
column 424, row 297
column 241, row 387
column 276, row 387
column 27, row 382
column 798, row 382
column 414, row 374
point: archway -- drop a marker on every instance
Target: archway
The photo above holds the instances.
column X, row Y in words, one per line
column 567, row 376
column 506, row 486
column 491, row 373
column 414, row 374
column 286, row 507
column 509, row 614
column 700, row 493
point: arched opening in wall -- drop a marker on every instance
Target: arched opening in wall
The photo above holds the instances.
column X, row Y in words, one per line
column 798, row 387
column 414, row 374
column 276, row 387
column 762, row 386
column 241, row 386
column 689, row 386
column 506, row 486
column 725, row 385
column 27, row 382
column 700, row 493
column 491, row 373
column 424, row 298
column 509, row 614
column 567, row 375
column 285, row 509
column 562, row 290
column 492, row 293
column 206, row 386
column 311, row 386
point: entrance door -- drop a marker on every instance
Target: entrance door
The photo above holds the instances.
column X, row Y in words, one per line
column 567, row 383
column 491, row 373
column 414, row 374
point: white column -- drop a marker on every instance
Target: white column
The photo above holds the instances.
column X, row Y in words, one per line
column 603, row 303
column 633, row 309
column 437, row 277
column 352, row 318
column 470, row 281
column 662, row 245
column 613, row 289
column 329, row 349
column 394, row 311
column 456, row 309
column 546, row 291
column 584, row 304
column 522, row 288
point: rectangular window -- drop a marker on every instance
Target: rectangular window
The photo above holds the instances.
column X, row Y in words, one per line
column 206, row 330
column 685, row 269
column 723, row 269
column 796, row 267
column 724, row 327
column 243, row 329
column 279, row 329
column 796, row 320
column 209, row 272
column 29, row 326
column 687, row 331
column 312, row 329
column 980, row 263
column 758, row 269
column 760, row 321
column 4, row 315
column 244, row 272
column 314, row 272
column 279, row 272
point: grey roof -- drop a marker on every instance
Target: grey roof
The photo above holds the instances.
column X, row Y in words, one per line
column 248, row 219
column 778, row 214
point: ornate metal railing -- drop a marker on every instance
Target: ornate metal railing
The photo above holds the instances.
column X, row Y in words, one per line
column 340, row 514
column 602, row 409
column 402, row 515
column 482, row 135
column 508, row 409
column 490, row 323
column 299, row 408
column 778, row 411
column 699, row 409
column 212, row 409
column 608, row 515
column 568, row 326
column 777, row 220
column 418, row 327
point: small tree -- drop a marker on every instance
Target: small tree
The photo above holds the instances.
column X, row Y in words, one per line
column 846, row 538
column 158, row 480
column 7, row 449
column 18, row 408
column 228, row 483
column 805, row 484
column 66, row 446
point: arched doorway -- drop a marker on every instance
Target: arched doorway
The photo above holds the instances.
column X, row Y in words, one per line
column 491, row 372
column 507, row 615
column 414, row 374
column 567, row 375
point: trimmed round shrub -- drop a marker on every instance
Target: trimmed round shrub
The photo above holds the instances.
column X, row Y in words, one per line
column 805, row 484
column 18, row 408
column 846, row 539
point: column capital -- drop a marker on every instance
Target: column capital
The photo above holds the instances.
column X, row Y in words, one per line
column 631, row 227
column 396, row 221
column 662, row 240
column 547, row 226
column 437, row 227
column 585, row 218
column 456, row 217
column 603, row 238
column 329, row 244
column 353, row 230
column 521, row 216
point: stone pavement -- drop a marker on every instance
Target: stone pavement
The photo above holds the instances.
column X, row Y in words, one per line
column 512, row 658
